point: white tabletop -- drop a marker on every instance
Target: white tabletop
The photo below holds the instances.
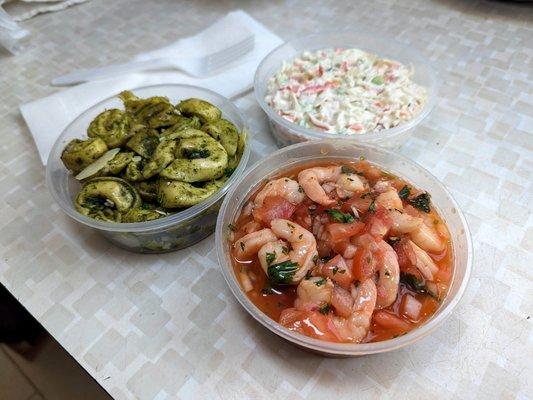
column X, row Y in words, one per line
column 166, row 326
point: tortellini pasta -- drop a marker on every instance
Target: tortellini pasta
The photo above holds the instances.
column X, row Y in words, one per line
column 164, row 158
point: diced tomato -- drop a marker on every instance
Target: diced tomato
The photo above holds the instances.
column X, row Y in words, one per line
column 379, row 222
column 403, row 257
column 390, row 321
column 310, row 323
column 337, row 270
column 340, row 246
column 274, row 207
column 302, row 216
column 323, row 247
column 360, row 204
column 340, row 231
column 363, row 264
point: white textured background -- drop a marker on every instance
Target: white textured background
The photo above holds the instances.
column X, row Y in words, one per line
column 167, row 326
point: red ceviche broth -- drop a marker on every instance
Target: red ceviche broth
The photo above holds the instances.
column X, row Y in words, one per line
column 342, row 252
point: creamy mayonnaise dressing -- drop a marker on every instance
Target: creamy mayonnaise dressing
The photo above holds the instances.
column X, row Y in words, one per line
column 345, row 91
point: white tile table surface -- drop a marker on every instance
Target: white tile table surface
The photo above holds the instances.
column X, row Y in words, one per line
column 167, row 327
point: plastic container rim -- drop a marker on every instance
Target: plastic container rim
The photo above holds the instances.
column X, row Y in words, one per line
column 341, row 349
column 413, row 54
column 161, row 223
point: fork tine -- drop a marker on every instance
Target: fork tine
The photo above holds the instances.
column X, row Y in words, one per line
column 228, row 54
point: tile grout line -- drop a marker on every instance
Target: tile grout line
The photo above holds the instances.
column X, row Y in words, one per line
column 36, row 390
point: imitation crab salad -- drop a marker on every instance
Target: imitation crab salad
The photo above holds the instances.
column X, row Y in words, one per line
column 345, row 91
column 343, row 252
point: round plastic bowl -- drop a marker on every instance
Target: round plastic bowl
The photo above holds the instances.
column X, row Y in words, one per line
column 162, row 235
column 328, row 150
column 286, row 132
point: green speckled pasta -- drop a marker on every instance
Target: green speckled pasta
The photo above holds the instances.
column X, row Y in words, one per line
column 164, row 158
column 198, row 159
column 107, row 198
column 78, row 154
column 112, row 126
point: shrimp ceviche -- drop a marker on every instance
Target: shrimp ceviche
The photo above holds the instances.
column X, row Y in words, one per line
column 342, row 252
column 345, row 91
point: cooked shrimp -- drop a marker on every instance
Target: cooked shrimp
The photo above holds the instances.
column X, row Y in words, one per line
column 355, row 326
column 403, row 222
column 251, row 243
column 342, row 301
column 313, row 293
column 390, row 199
column 427, row 238
column 275, row 252
column 284, row 187
column 303, row 245
column 311, row 180
column 348, row 184
column 389, row 275
column 420, row 259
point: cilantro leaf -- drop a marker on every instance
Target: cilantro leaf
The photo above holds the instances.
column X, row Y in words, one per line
column 422, row 202
column 270, row 257
column 282, row 273
column 339, row 216
column 404, row 192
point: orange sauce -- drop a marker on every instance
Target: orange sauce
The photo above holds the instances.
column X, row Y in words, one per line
column 272, row 300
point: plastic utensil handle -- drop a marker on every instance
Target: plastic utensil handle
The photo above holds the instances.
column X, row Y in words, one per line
column 111, row 70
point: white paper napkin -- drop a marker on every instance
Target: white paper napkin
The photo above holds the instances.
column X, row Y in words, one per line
column 49, row 116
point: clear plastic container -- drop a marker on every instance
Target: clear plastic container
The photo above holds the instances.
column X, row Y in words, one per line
column 328, row 150
column 170, row 233
column 286, row 132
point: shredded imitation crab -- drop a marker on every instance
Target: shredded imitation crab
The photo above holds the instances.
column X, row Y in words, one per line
column 345, row 91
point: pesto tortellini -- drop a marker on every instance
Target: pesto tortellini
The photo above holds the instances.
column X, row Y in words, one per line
column 152, row 159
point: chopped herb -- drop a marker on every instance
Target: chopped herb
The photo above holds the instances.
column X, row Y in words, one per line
column 324, row 309
column 232, row 227
column 387, row 273
column 412, row 281
column 194, row 154
column 377, row 80
column 372, row 207
column 315, row 259
column 282, row 272
column 339, row 216
column 347, row 170
column 362, row 158
column 320, row 282
column 300, row 189
column 308, row 275
column 242, row 246
column 285, row 250
column 421, row 202
column 270, row 257
column 335, row 269
column 229, row 171
column 301, row 236
column 404, row 192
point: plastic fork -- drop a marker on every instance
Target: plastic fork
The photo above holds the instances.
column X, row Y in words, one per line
column 196, row 66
